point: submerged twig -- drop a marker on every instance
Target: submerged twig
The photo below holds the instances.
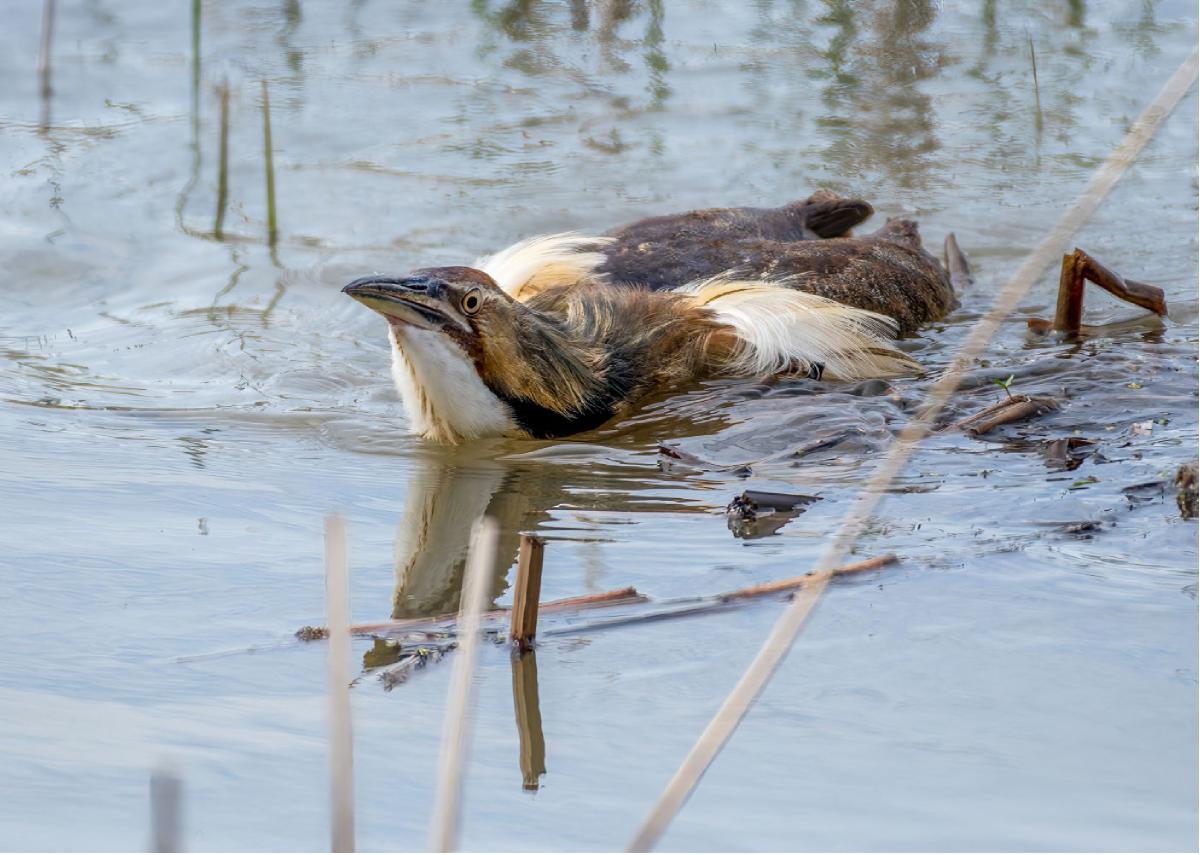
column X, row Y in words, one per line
column 686, row 458
column 437, row 635
column 440, row 623
column 1011, row 409
column 413, row 660
column 690, row 606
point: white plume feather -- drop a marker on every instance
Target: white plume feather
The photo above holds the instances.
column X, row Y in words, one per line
column 528, row 267
column 784, row 331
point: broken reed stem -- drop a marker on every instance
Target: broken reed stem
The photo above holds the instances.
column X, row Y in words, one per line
column 1037, row 93
column 222, row 163
column 44, row 63
column 1068, row 312
column 1138, row 293
column 194, row 174
column 341, row 737
column 456, row 733
column 269, row 160
column 783, row 634
column 1079, row 268
column 526, row 592
column 195, row 72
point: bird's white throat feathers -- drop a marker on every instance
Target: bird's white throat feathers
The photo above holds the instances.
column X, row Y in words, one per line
column 443, row 396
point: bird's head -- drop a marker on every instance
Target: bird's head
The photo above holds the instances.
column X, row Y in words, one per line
column 469, row 361
column 455, row 301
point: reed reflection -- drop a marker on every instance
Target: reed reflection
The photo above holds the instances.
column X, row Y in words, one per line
column 528, row 712
column 45, row 88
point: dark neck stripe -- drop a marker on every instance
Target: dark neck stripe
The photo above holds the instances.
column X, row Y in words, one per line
column 543, row 423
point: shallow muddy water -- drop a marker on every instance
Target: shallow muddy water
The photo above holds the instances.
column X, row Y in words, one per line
column 178, row 413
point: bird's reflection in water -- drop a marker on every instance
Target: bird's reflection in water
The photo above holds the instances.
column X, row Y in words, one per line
column 446, row 496
column 444, row 501
column 519, row 484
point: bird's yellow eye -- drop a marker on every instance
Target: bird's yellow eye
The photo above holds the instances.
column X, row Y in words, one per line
column 471, row 301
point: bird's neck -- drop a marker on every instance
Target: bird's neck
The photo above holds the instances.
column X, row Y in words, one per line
column 567, row 362
column 554, row 376
column 584, row 354
column 527, row 376
column 442, row 393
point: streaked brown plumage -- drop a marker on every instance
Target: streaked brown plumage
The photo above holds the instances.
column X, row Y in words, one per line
column 541, row 341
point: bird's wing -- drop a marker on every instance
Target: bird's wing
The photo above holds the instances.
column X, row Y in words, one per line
column 784, row 331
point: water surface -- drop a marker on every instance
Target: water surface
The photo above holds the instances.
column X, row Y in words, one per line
column 179, row 411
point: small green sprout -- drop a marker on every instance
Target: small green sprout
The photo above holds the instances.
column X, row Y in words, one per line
column 1005, row 384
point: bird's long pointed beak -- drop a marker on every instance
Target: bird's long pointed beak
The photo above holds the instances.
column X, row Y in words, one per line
column 414, row 300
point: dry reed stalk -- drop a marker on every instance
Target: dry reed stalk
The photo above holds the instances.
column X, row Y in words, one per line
column 166, row 811
column 341, row 736
column 456, row 732
column 1079, row 268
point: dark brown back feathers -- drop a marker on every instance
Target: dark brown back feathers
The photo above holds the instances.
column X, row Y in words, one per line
column 886, row 272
